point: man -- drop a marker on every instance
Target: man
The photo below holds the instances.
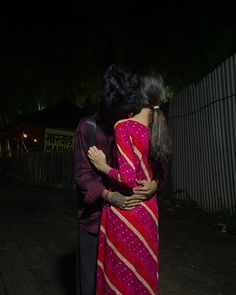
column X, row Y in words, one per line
column 92, row 189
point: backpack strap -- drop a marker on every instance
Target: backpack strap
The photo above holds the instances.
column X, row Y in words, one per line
column 91, row 131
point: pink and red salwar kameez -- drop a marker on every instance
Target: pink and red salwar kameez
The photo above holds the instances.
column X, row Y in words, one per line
column 128, row 240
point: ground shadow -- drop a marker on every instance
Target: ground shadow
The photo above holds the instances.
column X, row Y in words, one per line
column 67, row 272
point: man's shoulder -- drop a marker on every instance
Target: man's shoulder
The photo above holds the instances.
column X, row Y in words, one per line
column 85, row 120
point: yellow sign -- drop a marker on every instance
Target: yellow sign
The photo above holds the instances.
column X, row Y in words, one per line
column 59, row 140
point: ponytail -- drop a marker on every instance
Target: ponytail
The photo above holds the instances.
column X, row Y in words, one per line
column 153, row 92
column 160, row 143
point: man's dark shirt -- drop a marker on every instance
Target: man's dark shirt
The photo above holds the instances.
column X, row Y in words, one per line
column 90, row 182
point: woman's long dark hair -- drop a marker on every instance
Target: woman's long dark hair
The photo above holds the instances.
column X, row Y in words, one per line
column 153, row 91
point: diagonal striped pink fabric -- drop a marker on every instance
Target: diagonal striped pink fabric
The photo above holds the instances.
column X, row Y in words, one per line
column 128, row 240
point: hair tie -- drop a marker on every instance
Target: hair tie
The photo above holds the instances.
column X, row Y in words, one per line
column 156, row 107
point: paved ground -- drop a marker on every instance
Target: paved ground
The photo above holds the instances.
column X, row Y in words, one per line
column 37, row 242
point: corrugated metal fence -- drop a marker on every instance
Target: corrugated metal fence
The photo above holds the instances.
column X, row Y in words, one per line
column 202, row 122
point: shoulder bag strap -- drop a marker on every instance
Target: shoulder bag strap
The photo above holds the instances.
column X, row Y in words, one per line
column 91, row 131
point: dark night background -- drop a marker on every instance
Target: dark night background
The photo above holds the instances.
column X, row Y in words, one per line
column 51, row 50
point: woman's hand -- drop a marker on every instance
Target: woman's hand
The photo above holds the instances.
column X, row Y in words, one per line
column 98, row 158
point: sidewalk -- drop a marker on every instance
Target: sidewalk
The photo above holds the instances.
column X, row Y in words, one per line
column 37, row 242
column 195, row 259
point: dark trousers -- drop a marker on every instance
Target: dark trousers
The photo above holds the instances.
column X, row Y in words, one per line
column 86, row 262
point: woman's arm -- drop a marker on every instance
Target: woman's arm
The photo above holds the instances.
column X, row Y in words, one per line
column 126, row 159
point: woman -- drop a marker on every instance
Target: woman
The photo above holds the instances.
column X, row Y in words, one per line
column 128, row 242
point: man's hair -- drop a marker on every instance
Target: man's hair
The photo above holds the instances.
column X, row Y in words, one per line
column 121, row 93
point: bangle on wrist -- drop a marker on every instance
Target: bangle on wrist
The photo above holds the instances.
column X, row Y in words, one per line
column 109, row 197
column 105, row 197
column 157, row 180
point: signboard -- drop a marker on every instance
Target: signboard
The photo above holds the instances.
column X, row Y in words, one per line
column 59, row 140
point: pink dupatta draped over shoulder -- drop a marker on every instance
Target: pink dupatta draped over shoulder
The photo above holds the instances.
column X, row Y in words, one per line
column 128, row 240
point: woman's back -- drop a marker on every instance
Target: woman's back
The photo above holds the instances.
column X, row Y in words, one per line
column 132, row 141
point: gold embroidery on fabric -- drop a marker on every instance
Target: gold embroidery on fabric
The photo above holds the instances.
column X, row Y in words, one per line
column 127, row 263
column 135, row 231
column 107, row 280
column 150, row 211
column 125, row 156
column 137, row 152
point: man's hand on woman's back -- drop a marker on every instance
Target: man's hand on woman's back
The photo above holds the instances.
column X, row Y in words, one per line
column 146, row 188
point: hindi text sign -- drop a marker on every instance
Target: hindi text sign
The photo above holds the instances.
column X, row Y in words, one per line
column 59, row 140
